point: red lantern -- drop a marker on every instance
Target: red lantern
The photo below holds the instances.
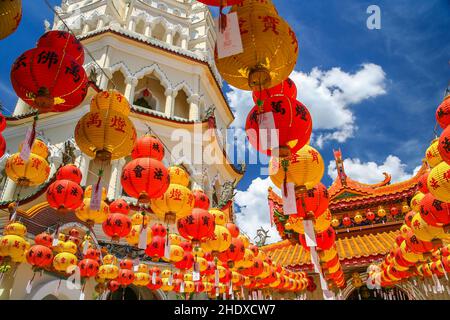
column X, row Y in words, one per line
column 394, row 211
column 198, row 226
column 186, row 245
column 116, row 226
column 199, row 287
column 44, row 239
column 126, row 264
column 287, row 88
column 422, row 183
column 159, row 230
column 155, row 249
column 346, row 221
column 434, row 212
column 144, row 179
column 64, row 41
column 255, row 270
column 119, row 206
column 2, row 123
column 187, row 262
column 254, row 249
column 325, row 240
column 227, row 277
column 291, row 119
column 40, row 255
column 64, row 195
column 88, row 268
column 234, row 253
column 443, row 112
column 69, row 172
column 314, row 200
column 49, row 79
column 92, row 253
column 210, row 269
column 201, row 199
column 408, row 218
column 233, row 228
column 149, row 146
column 370, row 215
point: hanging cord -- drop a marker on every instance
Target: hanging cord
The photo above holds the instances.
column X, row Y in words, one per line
column 87, row 51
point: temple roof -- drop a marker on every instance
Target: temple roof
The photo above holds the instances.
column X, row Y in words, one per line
column 351, row 250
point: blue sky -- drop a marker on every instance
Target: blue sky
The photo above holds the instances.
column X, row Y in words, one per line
column 405, row 64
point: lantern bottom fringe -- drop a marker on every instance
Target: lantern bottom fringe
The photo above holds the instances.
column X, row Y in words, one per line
column 103, row 155
column 143, row 198
column 43, row 101
column 259, row 78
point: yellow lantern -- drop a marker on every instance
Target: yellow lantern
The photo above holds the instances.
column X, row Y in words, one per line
column 220, row 242
column 32, row 172
column 66, row 246
column 109, row 269
column 432, row 154
column 327, row 255
column 270, row 48
column 405, row 208
column 133, row 237
column 277, row 281
column 334, row 268
column 189, row 286
column 439, row 182
column 404, row 229
column 381, row 212
column 13, row 243
column 408, row 255
column 220, row 218
column 321, row 224
column 175, row 239
column 65, row 262
column 105, row 135
column 176, row 253
column 166, row 273
column 166, row 287
column 335, row 222
column 202, row 263
column 91, row 217
column 305, row 168
column 139, row 219
column 415, row 201
column 245, row 240
column 178, row 201
column 358, row 218
column 11, row 14
column 424, row 231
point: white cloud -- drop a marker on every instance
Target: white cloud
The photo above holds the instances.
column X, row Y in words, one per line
column 253, row 209
column 328, row 96
column 371, row 172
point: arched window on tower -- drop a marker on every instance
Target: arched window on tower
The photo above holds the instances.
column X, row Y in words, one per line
column 140, row 27
column 118, row 79
column 149, row 93
column 145, row 99
column 177, row 39
column 181, row 105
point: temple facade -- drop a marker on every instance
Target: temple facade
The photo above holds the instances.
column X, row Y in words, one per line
column 360, row 242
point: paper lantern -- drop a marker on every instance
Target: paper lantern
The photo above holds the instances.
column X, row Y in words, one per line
column 48, row 79
column 415, row 201
column 186, row 262
column 109, row 269
column 432, row 154
column 262, row 64
column 88, row 268
column 11, row 15
column 65, row 41
column 424, row 231
column 358, row 218
column 66, row 260
column 92, row 216
column 198, row 226
column 422, row 183
column 116, row 226
column 148, row 146
column 322, row 223
column 381, row 212
column 13, row 244
column 177, row 202
column 416, row 245
column 435, row 213
column 286, row 87
column 444, row 145
column 201, row 199
column 246, row 261
column 32, row 172
column 347, row 221
column 105, row 135
column 439, row 182
column 155, row 249
column 304, row 168
column 69, row 172
column 291, row 119
column 325, row 240
column 370, row 215
column 443, row 112
column 64, row 195
column 220, row 218
column 234, row 253
column 40, row 254
column 408, row 218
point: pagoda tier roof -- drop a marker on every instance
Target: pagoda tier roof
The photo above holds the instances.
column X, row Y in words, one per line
column 354, row 250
